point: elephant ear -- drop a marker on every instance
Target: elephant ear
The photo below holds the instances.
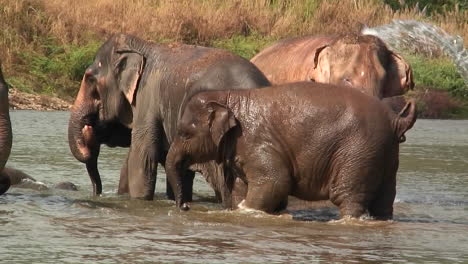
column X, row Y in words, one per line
column 320, row 71
column 129, row 68
column 221, row 120
column 400, row 77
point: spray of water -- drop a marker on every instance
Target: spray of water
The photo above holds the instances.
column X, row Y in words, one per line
column 424, row 38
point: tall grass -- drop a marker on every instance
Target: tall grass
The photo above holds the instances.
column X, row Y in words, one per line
column 201, row 21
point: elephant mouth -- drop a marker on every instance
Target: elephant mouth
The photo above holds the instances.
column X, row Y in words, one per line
column 87, row 141
column 88, row 135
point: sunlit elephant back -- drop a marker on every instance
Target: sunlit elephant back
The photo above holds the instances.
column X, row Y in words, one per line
column 130, row 96
column 361, row 61
column 5, row 133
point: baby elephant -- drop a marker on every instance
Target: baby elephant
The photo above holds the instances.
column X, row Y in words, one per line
column 313, row 141
column 20, row 179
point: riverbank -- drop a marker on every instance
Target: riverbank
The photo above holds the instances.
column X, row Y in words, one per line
column 432, row 104
column 25, row 101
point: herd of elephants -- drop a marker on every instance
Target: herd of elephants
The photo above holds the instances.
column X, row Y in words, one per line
column 315, row 117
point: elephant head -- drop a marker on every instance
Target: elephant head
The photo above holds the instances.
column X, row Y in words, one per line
column 363, row 62
column 200, row 132
column 102, row 112
column 5, row 133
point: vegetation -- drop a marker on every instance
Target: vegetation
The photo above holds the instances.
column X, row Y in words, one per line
column 45, row 45
column 437, row 73
column 430, row 6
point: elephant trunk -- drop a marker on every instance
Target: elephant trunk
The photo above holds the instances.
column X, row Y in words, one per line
column 175, row 166
column 81, row 132
column 6, row 137
column 94, row 175
column 85, row 147
column 82, row 135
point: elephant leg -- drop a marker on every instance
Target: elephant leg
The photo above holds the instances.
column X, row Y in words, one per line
column 239, row 192
column 143, row 161
column 169, row 192
column 123, row 182
column 269, row 188
column 353, row 206
column 382, row 206
column 353, row 189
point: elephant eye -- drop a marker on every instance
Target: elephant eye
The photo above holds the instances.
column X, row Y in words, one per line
column 347, row 81
column 90, row 79
column 184, row 134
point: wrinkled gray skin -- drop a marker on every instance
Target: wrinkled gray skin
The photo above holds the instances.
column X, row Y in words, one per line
column 309, row 140
column 5, row 133
column 140, row 86
column 20, row 179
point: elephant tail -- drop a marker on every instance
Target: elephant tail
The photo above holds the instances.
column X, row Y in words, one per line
column 405, row 120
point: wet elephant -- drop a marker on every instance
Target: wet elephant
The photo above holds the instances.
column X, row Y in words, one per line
column 360, row 61
column 309, row 140
column 138, row 87
column 5, row 132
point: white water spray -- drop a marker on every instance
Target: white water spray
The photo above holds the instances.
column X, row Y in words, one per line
column 419, row 37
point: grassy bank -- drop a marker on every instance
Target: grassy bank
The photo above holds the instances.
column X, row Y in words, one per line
column 46, row 45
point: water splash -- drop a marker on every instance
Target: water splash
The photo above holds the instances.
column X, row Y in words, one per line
column 424, row 38
column 30, row 184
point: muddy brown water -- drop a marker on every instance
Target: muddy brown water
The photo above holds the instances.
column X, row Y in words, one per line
column 430, row 225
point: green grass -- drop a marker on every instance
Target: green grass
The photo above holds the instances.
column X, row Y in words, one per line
column 439, row 74
column 459, row 112
column 245, row 46
column 53, row 69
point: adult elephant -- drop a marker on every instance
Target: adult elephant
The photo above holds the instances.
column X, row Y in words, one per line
column 360, row 61
column 310, row 140
column 132, row 93
column 5, row 133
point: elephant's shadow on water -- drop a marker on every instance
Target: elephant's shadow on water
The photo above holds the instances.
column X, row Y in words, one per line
column 300, row 210
column 322, row 211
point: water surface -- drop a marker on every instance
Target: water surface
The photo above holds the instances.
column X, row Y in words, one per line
column 430, row 225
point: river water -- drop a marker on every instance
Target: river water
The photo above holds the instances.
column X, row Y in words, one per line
column 430, row 223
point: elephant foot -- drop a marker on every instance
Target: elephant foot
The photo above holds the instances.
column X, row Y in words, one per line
column 352, row 209
column 243, row 207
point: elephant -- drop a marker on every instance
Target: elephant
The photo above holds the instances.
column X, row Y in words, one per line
column 20, row 179
column 5, row 133
column 310, row 140
column 131, row 95
column 360, row 61
column 10, row 176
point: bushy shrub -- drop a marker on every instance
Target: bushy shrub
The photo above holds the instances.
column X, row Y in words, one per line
column 437, row 73
column 431, row 6
column 436, row 104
